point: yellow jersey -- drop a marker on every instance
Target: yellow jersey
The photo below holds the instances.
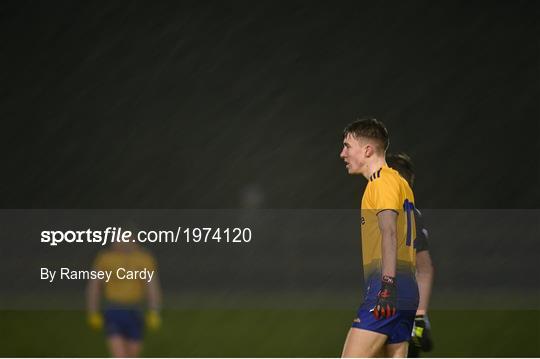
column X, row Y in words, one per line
column 125, row 291
column 387, row 190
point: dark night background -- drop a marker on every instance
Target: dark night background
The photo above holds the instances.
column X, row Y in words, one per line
column 188, row 105
column 215, row 105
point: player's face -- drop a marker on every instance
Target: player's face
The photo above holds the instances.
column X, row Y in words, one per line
column 124, row 246
column 353, row 153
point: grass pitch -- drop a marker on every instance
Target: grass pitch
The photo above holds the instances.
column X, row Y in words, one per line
column 265, row 333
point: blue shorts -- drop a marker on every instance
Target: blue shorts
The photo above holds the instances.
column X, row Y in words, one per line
column 398, row 328
column 127, row 323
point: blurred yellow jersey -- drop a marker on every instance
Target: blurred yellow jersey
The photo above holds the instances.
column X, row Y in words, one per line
column 387, row 190
column 125, row 291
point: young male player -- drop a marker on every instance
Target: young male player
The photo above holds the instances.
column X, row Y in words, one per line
column 385, row 319
column 124, row 299
column 421, row 334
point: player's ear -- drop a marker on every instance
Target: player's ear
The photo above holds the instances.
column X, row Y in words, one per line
column 368, row 150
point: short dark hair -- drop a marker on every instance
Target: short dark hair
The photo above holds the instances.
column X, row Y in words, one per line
column 369, row 128
column 402, row 163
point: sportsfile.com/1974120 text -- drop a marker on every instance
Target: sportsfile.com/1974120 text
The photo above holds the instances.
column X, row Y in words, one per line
column 186, row 235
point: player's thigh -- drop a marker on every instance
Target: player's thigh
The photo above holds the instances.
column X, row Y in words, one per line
column 117, row 346
column 133, row 348
column 363, row 343
column 397, row 350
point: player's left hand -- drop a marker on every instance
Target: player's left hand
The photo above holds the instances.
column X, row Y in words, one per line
column 95, row 320
column 421, row 334
column 386, row 299
column 153, row 320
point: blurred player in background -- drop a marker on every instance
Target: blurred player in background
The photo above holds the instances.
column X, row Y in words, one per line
column 385, row 320
column 421, row 334
column 123, row 316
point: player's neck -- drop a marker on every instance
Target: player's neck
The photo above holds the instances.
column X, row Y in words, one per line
column 374, row 166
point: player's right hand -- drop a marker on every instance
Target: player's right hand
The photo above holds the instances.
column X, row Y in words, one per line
column 95, row 320
column 153, row 320
column 421, row 334
column 386, row 299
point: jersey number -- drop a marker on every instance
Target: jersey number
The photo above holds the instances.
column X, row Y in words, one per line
column 408, row 207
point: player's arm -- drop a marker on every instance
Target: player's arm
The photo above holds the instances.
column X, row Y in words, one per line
column 424, row 277
column 387, row 296
column 154, row 294
column 153, row 291
column 424, row 265
column 388, row 226
column 93, row 294
column 421, row 335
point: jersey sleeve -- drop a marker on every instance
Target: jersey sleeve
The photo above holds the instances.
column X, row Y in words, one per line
column 421, row 241
column 100, row 262
column 385, row 194
column 148, row 261
column 151, row 263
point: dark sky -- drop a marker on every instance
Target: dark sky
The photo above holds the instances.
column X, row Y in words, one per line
column 191, row 105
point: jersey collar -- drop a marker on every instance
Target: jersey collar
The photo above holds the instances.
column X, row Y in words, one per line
column 377, row 173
